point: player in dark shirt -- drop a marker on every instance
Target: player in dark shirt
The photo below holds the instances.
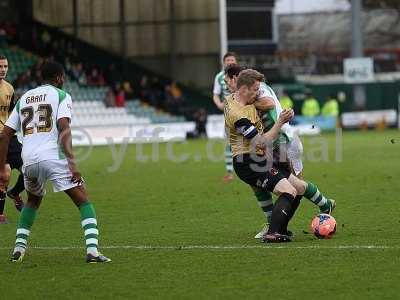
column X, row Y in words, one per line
column 14, row 159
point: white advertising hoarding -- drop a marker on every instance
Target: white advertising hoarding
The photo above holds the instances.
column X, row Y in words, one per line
column 358, row 70
column 369, row 118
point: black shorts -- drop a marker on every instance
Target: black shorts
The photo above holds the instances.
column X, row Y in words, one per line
column 14, row 153
column 258, row 172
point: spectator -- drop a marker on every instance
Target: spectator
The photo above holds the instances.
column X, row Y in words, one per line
column 144, row 90
column 49, row 44
column 95, row 78
column 156, row 92
column 310, row 106
column 68, row 66
column 127, row 87
column 331, row 107
column 285, row 100
column 112, row 76
column 109, row 99
column 119, row 96
column 78, row 74
column 174, row 99
column 200, row 118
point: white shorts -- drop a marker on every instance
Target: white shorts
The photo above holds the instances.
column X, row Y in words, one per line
column 57, row 171
column 295, row 153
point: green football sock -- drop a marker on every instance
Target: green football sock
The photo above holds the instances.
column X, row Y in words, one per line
column 228, row 159
column 264, row 199
column 315, row 196
column 89, row 225
column 25, row 223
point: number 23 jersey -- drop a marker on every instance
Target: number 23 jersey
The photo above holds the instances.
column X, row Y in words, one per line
column 36, row 114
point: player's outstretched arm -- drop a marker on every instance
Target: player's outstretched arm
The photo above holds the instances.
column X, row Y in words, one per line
column 285, row 116
column 65, row 138
column 218, row 102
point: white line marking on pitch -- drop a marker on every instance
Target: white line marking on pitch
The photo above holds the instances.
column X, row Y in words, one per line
column 215, row 247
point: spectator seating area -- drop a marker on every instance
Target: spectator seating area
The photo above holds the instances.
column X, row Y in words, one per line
column 89, row 105
column 85, row 93
column 155, row 116
column 94, row 113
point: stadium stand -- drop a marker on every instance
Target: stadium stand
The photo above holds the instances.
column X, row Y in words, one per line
column 89, row 106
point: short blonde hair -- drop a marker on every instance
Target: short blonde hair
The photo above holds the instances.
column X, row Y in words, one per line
column 248, row 77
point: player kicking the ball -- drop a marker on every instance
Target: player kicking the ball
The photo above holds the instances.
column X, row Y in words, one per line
column 287, row 148
column 253, row 162
column 43, row 115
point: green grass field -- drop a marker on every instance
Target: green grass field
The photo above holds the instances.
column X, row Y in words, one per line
column 198, row 231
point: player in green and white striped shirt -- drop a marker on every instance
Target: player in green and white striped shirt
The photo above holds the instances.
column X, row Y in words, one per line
column 220, row 91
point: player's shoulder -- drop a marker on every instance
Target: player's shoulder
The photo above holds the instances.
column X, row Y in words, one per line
column 220, row 75
column 61, row 94
column 228, row 105
column 265, row 86
column 236, row 110
column 8, row 85
column 228, row 100
column 267, row 89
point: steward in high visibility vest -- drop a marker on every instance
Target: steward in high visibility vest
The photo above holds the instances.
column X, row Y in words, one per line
column 310, row 107
column 286, row 102
column 331, row 108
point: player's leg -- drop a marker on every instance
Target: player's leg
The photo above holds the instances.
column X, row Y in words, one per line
column 264, row 199
column 276, row 181
column 282, row 163
column 299, row 185
column 252, row 171
column 14, row 193
column 26, row 220
column 281, row 212
column 228, row 163
column 35, row 188
column 313, row 194
column 3, row 190
column 61, row 178
column 301, row 189
column 310, row 191
column 294, row 152
column 89, row 223
column 15, row 161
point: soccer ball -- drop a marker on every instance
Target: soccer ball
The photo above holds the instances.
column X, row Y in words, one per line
column 323, row 226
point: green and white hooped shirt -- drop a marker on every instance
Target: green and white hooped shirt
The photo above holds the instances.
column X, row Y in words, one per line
column 270, row 117
column 220, row 87
column 36, row 114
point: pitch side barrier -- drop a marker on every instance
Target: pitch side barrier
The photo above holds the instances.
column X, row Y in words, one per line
column 133, row 134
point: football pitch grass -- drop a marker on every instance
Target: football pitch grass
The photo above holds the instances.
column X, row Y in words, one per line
column 175, row 230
